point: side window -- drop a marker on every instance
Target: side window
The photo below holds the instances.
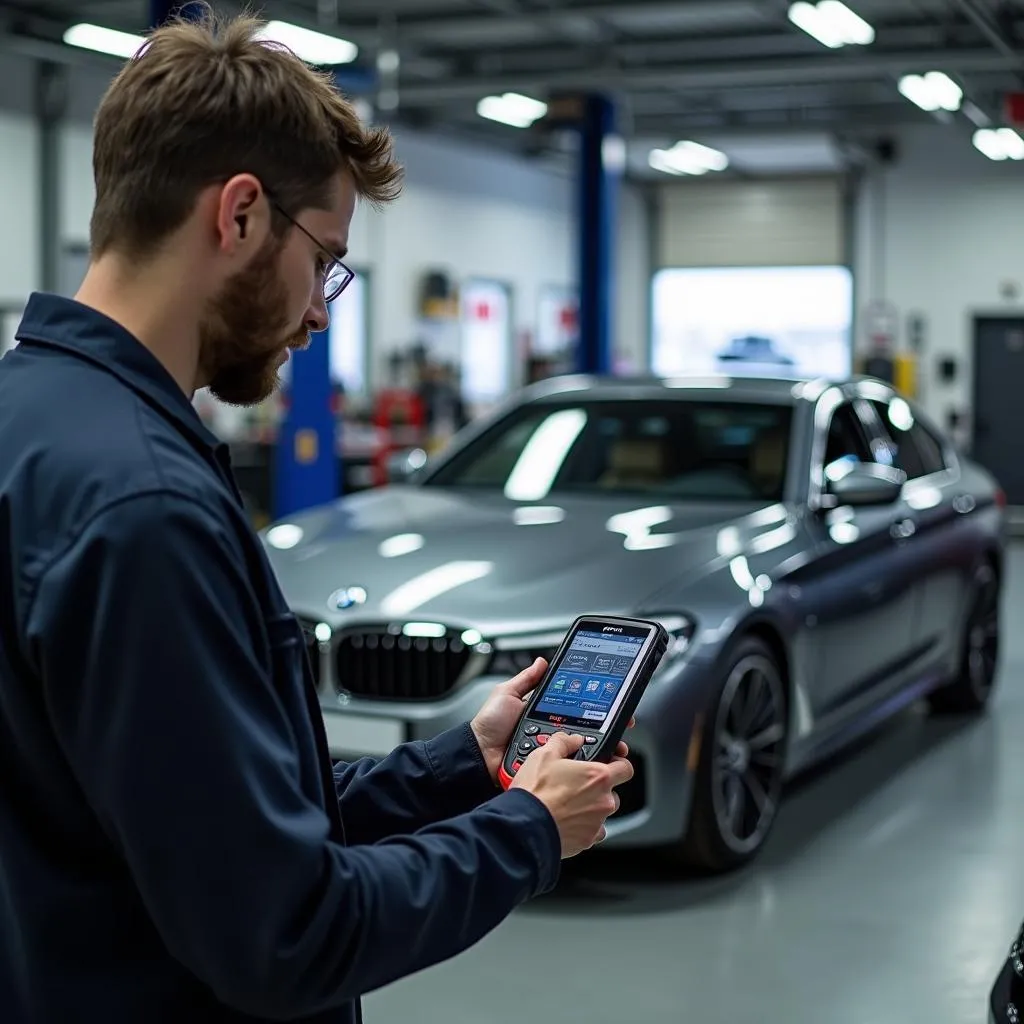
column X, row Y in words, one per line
column 929, row 450
column 911, row 446
column 846, row 441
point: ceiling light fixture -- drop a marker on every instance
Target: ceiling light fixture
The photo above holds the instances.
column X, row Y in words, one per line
column 832, row 23
column 512, row 109
column 312, row 47
column 688, row 158
column 103, row 40
column 999, row 143
column 932, row 91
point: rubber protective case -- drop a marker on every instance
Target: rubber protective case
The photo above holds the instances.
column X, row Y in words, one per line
column 528, row 735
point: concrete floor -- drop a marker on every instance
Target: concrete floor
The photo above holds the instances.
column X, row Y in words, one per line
column 889, row 893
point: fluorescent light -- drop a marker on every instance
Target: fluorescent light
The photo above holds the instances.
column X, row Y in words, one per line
column 312, row 47
column 1013, row 144
column 999, row 143
column 851, row 27
column 931, row 92
column 832, row 24
column 512, row 109
column 103, row 40
column 688, row 158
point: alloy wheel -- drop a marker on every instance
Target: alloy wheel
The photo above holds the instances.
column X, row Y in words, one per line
column 746, row 773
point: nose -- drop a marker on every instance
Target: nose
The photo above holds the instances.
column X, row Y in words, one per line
column 317, row 318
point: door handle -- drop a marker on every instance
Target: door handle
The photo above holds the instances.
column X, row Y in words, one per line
column 903, row 530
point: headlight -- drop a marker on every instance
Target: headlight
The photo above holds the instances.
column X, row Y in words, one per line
column 681, row 631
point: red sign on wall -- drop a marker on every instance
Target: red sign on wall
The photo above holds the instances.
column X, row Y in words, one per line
column 1013, row 108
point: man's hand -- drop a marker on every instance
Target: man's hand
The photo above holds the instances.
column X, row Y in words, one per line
column 497, row 719
column 580, row 796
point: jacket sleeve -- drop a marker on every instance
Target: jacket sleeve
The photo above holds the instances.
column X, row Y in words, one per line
column 156, row 671
column 418, row 784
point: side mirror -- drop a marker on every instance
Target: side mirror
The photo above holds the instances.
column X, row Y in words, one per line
column 402, row 466
column 863, row 483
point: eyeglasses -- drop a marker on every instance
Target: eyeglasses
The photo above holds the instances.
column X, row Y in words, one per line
column 337, row 277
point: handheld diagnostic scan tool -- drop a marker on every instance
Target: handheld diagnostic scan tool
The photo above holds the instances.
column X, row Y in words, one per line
column 592, row 687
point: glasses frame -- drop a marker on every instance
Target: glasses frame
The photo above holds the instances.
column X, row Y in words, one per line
column 333, row 262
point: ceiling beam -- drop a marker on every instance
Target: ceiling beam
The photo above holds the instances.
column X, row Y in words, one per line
column 770, row 122
column 714, row 75
column 710, row 11
column 989, row 30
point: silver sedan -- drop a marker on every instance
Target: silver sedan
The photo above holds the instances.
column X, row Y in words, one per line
column 818, row 551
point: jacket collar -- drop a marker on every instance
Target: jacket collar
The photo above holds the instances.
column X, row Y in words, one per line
column 63, row 323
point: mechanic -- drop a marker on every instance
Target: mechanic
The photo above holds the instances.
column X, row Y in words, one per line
column 175, row 844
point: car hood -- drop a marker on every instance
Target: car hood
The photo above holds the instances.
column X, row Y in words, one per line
column 479, row 560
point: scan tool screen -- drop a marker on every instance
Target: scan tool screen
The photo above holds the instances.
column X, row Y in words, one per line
column 585, row 687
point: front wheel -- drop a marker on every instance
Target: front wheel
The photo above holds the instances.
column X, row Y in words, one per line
column 739, row 778
column 971, row 689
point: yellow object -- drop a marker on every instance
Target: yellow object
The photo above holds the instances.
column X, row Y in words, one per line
column 905, row 374
column 306, row 446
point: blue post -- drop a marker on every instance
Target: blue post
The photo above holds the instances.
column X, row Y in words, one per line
column 305, row 467
column 596, row 229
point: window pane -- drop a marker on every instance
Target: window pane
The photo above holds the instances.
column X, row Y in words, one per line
column 929, row 450
column 685, row 449
column 900, row 451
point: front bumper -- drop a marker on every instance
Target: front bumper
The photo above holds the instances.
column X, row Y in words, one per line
column 655, row 804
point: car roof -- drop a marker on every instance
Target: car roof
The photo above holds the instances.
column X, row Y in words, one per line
column 789, row 390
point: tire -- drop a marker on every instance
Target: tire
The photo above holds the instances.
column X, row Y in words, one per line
column 971, row 689
column 738, row 785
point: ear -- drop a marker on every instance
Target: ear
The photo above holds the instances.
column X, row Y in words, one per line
column 243, row 216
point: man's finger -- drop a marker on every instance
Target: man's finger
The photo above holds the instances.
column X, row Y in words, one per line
column 528, row 679
column 563, row 745
column 620, row 771
column 622, row 750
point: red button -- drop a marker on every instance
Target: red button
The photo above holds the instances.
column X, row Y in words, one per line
column 516, row 765
column 543, row 738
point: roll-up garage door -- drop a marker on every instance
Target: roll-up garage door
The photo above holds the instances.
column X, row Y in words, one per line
column 798, row 222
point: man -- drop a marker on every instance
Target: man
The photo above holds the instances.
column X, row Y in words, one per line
column 174, row 843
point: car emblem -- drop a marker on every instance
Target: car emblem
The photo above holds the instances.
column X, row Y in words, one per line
column 347, row 597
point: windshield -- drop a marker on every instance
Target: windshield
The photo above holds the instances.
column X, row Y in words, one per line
column 683, row 450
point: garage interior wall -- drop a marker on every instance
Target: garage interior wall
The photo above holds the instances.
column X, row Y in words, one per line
column 791, row 222
column 940, row 235
column 466, row 210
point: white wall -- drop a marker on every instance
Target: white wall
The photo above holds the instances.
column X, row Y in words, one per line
column 939, row 234
column 19, row 224
column 465, row 210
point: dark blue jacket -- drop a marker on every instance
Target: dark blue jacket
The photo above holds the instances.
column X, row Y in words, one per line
column 174, row 845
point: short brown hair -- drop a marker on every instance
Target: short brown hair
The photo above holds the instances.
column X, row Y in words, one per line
column 205, row 100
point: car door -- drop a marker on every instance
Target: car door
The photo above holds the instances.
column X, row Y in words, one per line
column 860, row 604
column 936, row 503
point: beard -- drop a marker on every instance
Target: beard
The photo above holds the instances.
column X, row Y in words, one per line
column 245, row 333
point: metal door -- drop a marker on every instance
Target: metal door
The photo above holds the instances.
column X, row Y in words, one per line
column 998, row 409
